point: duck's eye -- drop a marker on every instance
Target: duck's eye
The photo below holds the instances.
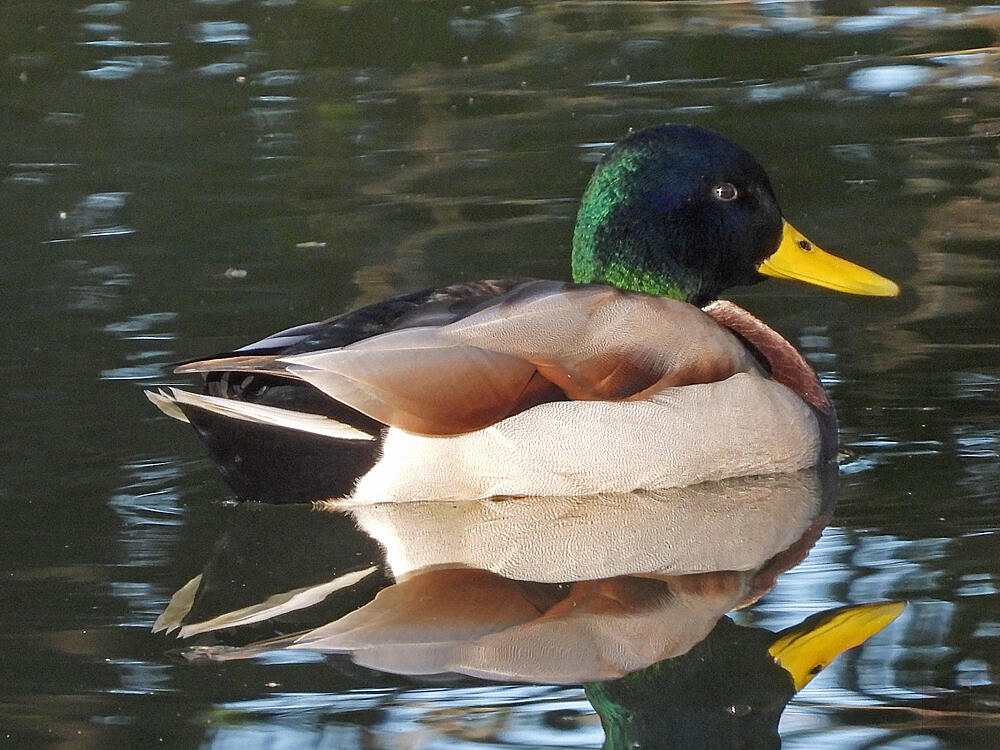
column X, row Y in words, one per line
column 726, row 191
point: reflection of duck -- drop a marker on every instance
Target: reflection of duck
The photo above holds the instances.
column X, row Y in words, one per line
column 444, row 622
column 526, row 387
column 729, row 690
column 552, row 590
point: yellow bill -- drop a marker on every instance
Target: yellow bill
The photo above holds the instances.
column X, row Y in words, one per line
column 798, row 258
column 803, row 650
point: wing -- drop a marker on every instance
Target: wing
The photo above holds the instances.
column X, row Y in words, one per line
column 537, row 342
column 276, row 437
column 226, row 378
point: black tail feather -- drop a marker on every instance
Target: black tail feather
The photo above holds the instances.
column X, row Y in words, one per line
column 275, row 465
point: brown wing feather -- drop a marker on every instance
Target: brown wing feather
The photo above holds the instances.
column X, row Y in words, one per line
column 608, row 377
column 425, row 385
column 548, row 342
column 583, row 343
column 601, row 343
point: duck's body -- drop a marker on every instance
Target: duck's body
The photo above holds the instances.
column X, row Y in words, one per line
column 527, row 387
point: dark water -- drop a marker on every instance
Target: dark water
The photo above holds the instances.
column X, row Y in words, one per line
column 184, row 177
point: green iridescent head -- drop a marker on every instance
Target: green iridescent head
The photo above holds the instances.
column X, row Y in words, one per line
column 676, row 210
column 683, row 212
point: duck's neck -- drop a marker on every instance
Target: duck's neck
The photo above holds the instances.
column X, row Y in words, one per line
column 614, row 243
column 625, row 276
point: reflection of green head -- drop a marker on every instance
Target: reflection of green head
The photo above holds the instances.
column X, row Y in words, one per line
column 679, row 211
column 726, row 692
column 730, row 689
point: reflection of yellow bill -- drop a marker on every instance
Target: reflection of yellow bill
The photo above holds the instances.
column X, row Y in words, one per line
column 803, row 650
column 798, row 258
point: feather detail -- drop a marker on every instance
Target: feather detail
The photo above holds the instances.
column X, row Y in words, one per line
column 168, row 405
column 246, row 363
column 787, row 366
column 582, row 343
column 417, row 382
column 172, row 401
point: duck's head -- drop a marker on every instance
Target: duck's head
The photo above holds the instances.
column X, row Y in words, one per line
column 683, row 212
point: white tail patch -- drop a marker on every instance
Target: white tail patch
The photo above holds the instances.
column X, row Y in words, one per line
column 167, row 401
column 167, row 405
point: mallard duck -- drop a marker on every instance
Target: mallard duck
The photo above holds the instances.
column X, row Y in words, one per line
column 635, row 376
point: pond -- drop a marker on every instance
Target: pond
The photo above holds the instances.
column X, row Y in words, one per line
column 183, row 178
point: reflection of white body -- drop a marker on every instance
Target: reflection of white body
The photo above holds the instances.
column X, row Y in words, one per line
column 737, row 524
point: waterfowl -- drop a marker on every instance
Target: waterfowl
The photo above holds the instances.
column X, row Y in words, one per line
column 634, row 376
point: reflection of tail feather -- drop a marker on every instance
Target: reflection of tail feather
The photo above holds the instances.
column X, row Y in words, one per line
column 235, row 653
column 276, row 605
column 178, row 607
column 273, row 606
column 273, row 454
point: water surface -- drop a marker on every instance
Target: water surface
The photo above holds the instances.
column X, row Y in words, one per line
column 182, row 178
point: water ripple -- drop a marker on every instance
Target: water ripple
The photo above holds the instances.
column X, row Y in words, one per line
column 122, row 68
column 221, row 32
column 105, row 10
column 888, row 79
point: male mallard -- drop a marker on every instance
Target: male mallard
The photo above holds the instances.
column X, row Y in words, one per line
column 630, row 378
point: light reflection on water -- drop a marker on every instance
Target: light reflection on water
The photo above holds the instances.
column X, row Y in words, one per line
column 481, row 717
column 335, row 155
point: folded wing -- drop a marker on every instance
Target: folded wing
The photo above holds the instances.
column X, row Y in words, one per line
column 544, row 342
